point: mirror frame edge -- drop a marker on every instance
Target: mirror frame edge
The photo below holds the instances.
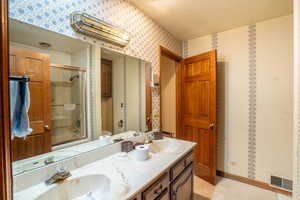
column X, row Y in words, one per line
column 5, row 153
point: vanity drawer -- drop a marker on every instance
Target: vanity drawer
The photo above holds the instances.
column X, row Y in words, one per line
column 158, row 189
column 177, row 169
column 189, row 159
column 181, row 165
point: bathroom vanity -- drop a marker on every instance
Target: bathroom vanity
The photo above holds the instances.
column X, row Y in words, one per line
column 166, row 175
column 176, row 183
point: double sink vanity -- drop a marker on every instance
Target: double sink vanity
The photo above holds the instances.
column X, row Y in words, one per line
column 115, row 175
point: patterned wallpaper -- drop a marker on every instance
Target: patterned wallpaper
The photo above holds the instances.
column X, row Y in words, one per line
column 243, row 68
column 146, row 35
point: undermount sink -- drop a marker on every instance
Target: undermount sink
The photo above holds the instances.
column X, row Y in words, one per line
column 167, row 146
column 94, row 187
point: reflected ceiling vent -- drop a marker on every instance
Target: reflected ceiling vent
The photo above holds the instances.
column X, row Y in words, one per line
column 91, row 26
column 44, row 44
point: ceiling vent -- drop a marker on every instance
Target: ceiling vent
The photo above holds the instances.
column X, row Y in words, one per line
column 91, row 26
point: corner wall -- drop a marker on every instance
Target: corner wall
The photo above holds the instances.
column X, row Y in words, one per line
column 254, row 97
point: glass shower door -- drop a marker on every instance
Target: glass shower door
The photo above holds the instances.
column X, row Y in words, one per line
column 68, row 104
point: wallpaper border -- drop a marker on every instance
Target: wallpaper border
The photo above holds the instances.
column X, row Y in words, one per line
column 252, row 102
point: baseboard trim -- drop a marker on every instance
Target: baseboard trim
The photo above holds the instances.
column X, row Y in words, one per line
column 252, row 182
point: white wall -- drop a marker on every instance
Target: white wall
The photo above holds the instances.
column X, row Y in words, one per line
column 56, row 57
column 132, row 93
column 271, row 151
column 80, row 58
column 274, row 98
column 118, row 92
column 296, row 186
column 168, row 94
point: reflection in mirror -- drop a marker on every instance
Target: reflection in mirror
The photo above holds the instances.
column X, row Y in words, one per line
column 51, row 96
column 123, row 94
column 48, row 112
column 68, row 104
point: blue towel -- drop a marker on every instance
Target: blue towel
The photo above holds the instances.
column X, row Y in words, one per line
column 19, row 106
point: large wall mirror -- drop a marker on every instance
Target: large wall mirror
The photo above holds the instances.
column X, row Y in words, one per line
column 124, row 94
column 50, row 95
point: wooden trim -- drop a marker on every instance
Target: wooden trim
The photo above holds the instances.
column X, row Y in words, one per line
column 178, row 99
column 164, row 51
column 170, row 54
column 5, row 152
column 68, row 141
column 148, row 89
column 167, row 134
column 252, row 182
column 106, row 61
column 68, row 67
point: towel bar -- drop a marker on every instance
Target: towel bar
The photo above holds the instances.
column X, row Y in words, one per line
column 19, row 78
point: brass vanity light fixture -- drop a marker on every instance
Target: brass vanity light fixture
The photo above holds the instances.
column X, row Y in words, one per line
column 91, row 26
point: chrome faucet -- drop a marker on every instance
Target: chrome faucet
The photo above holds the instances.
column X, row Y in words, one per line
column 149, row 137
column 60, row 175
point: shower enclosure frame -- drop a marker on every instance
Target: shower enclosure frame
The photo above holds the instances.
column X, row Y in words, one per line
column 88, row 136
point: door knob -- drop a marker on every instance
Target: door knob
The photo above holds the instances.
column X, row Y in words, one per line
column 212, row 125
column 47, row 128
column 148, row 119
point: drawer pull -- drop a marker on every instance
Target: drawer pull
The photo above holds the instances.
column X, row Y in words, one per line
column 158, row 190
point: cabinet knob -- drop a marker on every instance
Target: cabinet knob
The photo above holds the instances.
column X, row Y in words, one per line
column 47, row 128
column 158, row 190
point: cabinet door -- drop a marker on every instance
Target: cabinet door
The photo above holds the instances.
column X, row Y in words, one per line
column 182, row 187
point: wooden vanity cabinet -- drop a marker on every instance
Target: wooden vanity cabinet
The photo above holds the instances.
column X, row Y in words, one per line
column 159, row 189
column 182, row 187
column 174, row 184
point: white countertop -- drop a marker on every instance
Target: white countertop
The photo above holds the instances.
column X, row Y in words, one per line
column 128, row 175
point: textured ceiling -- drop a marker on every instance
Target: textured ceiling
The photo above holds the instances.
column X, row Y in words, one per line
column 188, row 19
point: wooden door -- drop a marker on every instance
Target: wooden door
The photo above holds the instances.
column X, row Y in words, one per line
column 106, row 78
column 198, row 110
column 36, row 66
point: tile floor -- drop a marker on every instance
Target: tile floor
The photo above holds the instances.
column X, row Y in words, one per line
column 227, row 189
